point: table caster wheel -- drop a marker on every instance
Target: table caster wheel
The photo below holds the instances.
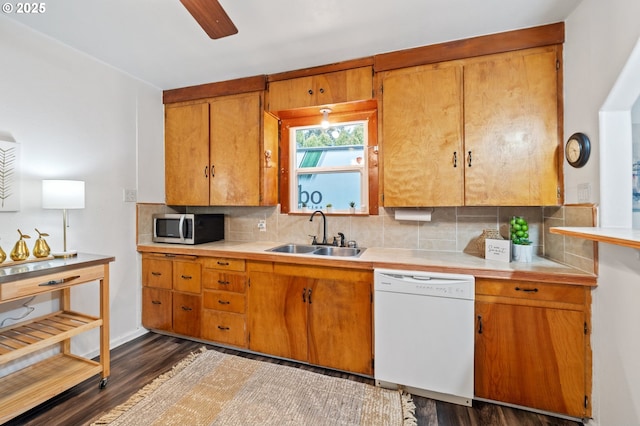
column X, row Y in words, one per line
column 103, row 383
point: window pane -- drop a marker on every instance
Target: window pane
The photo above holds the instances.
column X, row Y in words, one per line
column 318, row 189
column 341, row 145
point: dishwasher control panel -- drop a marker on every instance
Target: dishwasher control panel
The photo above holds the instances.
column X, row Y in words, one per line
column 458, row 286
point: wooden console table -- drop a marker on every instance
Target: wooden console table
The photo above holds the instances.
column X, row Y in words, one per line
column 36, row 383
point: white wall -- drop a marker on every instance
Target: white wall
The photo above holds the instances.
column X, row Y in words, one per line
column 76, row 118
column 600, row 37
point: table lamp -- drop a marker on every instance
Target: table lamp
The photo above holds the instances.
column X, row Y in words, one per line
column 64, row 195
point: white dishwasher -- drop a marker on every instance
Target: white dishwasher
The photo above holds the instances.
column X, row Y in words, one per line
column 424, row 333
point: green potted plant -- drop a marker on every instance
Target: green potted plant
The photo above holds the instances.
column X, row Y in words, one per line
column 303, row 207
column 521, row 248
column 329, row 207
column 352, row 206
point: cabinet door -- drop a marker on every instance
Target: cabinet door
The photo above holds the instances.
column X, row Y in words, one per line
column 340, row 326
column 511, row 129
column 186, row 159
column 531, row 356
column 277, row 314
column 187, row 276
column 156, row 308
column 224, row 327
column 186, row 314
column 423, row 162
column 235, row 150
column 329, row 88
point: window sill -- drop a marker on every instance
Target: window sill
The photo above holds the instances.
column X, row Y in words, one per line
column 626, row 237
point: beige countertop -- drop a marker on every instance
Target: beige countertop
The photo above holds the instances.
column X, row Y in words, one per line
column 541, row 269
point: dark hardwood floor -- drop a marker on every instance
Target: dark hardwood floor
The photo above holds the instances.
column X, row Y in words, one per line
column 138, row 362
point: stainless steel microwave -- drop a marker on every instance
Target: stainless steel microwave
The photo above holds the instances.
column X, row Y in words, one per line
column 188, row 228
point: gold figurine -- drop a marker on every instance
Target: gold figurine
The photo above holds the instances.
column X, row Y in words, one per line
column 41, row 248
column 20, row 250
column 3, row 255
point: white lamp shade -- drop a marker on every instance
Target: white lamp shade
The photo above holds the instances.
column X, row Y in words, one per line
column 62, row 194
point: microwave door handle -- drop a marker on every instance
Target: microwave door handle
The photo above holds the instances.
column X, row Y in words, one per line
column 155, row 228
column 181, row 227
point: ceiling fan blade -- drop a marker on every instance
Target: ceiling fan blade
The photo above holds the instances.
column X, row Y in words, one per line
column 211, row 17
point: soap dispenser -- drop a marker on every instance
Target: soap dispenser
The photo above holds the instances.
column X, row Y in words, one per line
column 20, row 250
column 41, row 248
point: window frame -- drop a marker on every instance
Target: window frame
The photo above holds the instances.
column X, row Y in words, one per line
column 340, row 114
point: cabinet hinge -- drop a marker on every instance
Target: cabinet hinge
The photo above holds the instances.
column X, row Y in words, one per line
column 586, row 328
column 557, row 64
column 373, row 364
column 249, row 282
column 559, row 194
column 586, row 401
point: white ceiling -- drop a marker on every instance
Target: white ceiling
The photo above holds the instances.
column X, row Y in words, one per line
column 159, row 42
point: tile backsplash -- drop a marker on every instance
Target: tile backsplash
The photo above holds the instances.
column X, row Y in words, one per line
column 453, row 229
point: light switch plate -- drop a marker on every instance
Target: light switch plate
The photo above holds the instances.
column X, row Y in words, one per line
column 129, row 195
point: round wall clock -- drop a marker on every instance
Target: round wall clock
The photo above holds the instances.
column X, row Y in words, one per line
column 577, row 150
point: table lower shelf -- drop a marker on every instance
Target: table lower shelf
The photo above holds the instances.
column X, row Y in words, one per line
column 26, row 388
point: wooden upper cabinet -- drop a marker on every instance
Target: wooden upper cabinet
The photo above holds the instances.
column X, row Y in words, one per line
column 512, row 129
column 476, row 132
column 186, row 155
column 422, row 136
column 334, row 87
column 221, row 152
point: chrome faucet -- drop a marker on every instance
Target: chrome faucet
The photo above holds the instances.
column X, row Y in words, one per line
column 324, row 225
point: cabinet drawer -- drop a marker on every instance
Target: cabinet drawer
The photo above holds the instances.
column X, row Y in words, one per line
column 187, row 276
column 224, row 263
column 46, row 283
column 224, row 301
column 216, row 280
column 224, row 327
column 156, row 273
column 531, row 290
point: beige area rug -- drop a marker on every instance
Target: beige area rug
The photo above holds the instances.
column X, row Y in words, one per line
column 213, row 388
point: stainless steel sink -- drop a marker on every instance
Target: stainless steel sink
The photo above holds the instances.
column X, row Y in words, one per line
column 318, row 250
column 294, row 248
column 337, row 251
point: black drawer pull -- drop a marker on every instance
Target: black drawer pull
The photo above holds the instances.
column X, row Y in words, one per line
column 156, row 274
column 223, row 302
column 223, row 263
column 220, row 327
column 223, row 282
column 60, row 281
column 186, row 277
column 186, row 308
column 479, row 324
column 156, row 302
column 527, row 290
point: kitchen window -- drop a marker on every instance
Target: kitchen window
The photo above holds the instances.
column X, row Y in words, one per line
column 334, row 165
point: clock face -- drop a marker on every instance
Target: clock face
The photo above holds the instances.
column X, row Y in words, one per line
column 577, row 150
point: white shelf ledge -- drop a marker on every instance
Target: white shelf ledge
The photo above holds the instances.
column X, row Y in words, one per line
column 627, row 237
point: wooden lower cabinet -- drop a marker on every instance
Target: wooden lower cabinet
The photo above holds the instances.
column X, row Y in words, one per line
column 532, row 345
column 312, row 314
column 224, row 285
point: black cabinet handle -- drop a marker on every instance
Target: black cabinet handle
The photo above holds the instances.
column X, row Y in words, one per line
column 156, row 302
column 223, row 263
column 304, row 295
column 455, row 159
column 186, row 277
column 186, row 308
column 469, row 158
column 310, row 91
column 479, row 324
column 156, row 274
column 220, row 327
column 60, row 281
column 206, row 169
column 223, row 302
column 309, row 296
column 223, row 282
column 527, row 290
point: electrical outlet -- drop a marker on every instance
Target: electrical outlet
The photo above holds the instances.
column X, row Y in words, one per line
column 584, row 192
column 262, row 225
column 129, row 195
